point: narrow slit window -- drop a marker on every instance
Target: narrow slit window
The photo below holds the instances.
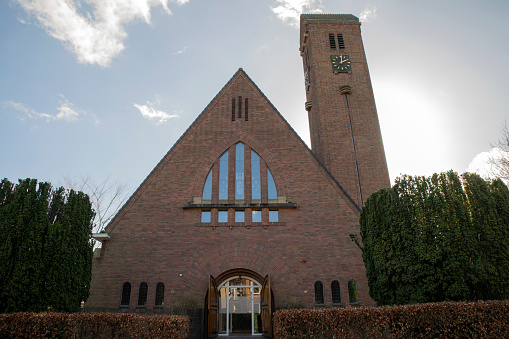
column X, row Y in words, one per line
column 332, row 41
column 240, row 107
column 341, row 41
column 352, row 292
column 159, row 294
column 207, row 188
column 271, row 186
column 126, row 294
column 142, row 295
column 233, row 109
column 319, row 293
column 336, row 292
column 245, row 109
column 239, row 171
column 223, row 177
column 256, row 192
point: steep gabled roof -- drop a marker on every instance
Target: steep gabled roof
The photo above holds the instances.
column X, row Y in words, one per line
column 237, row 74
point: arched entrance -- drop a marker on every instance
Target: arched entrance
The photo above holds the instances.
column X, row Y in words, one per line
column 240, row 304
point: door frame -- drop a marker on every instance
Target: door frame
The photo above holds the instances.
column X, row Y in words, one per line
column 269, row 296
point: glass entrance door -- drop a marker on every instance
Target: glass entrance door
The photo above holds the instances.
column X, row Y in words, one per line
column 239, row 307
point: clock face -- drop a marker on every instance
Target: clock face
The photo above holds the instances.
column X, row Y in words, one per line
column 341, row 64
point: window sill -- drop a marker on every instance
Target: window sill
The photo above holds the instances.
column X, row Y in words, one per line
column 241, row 206
column 241, row 224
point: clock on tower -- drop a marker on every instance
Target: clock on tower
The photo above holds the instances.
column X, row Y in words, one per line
column 345, row 133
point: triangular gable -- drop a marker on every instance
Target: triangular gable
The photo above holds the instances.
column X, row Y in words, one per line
column 240, row 78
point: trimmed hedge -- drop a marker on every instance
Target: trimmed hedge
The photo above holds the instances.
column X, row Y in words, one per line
column 92, row 325
column 445, row 320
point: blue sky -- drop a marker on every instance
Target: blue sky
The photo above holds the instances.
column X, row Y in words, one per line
column 104, row 88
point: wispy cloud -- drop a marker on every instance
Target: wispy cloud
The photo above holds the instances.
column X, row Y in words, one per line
column 368, row 13
column 95, row 37
column 290, row 10
column 65, row 111
column 183, row 50
column 150, row 112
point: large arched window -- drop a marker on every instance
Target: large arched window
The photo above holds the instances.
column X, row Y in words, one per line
column 319, row 299
column 336, row 292
column 253, row 184
column 240, row 182
column 126, row 294
column 142, row 294
column 159, row 294
column 352, row 292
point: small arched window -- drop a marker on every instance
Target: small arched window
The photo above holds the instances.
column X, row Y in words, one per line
column 336, row 292
column 159, row 294
column 352, row 292
column 319, row 293
column 142, row 294
column 126, row 294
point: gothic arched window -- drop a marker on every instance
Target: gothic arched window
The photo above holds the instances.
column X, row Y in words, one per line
column 142, row 294
column 126, row 294
column 319, row 299
column 253, row 183
column 336, row 292
column 159, row 294
column 352, row 292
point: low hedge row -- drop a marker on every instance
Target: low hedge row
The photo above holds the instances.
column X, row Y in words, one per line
column 434, row 320
column 92, row 325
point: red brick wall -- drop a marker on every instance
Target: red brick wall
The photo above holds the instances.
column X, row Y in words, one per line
column 154, row 239
column 331, row 136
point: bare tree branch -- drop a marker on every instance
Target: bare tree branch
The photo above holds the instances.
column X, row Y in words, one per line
column 107, row 197
column 500, row 161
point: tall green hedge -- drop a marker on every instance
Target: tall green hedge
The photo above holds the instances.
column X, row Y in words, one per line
column 45, row 247
column 438, row 238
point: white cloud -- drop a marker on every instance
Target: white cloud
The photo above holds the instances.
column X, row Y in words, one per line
column 481, row 165
column 290, row 10
column 65, row 111
column 181, row 51
column 149, row 112
column 368, row 13
column 27, row 111
column 97, row 37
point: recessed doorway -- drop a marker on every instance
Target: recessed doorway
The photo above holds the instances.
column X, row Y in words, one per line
column 240, row 310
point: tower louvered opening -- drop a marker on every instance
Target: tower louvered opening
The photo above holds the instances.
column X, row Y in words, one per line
column 341, row 42
column 332, row 41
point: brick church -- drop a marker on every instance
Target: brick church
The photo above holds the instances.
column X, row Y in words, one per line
column 240, row 217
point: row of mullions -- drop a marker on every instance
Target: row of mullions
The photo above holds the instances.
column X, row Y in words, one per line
column 239, row 177
column 240, row 216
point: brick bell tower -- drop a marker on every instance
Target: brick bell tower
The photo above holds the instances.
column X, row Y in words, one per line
column 345, row 132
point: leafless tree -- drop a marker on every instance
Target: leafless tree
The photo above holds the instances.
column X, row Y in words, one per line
column 499, row 161
column 107, row 197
